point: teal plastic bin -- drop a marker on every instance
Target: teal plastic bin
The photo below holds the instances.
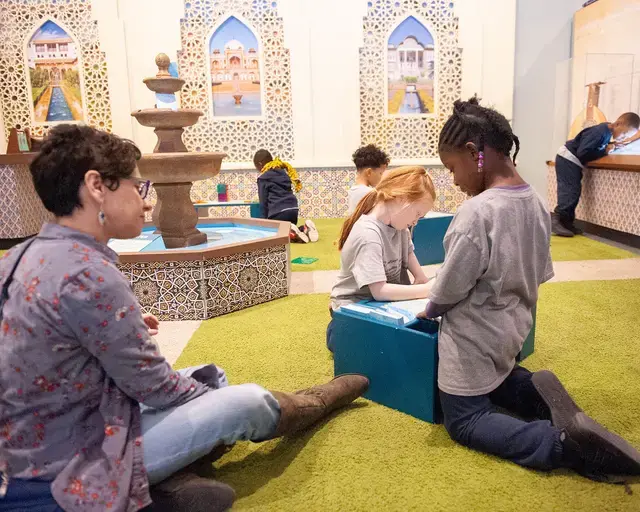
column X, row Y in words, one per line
column 401, row 362
column 428, row 237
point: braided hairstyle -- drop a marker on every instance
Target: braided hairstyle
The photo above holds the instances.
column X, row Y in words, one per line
column 472, row 122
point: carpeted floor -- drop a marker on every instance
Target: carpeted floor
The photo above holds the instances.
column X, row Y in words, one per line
column 582, row 248
column 373, row 458
column 562, row 249
column 325, row 249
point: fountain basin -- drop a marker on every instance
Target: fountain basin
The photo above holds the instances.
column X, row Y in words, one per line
column 246, row 263
column 164, row 85
column 172, row 175
column 179, row 167
column 167, row 119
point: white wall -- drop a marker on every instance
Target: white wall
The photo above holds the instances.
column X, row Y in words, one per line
column 324, row 66
column 543, row 39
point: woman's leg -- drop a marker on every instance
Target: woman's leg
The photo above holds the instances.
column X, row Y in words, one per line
column 174, row 438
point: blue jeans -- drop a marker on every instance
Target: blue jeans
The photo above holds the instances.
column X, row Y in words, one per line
column 330, row 341
column 475, row 422
column 569, row 179
column 174, row 438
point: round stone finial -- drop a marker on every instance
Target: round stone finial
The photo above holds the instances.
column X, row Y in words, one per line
column 163, row 61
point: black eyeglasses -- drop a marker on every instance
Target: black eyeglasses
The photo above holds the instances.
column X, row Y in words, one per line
column 143, row 188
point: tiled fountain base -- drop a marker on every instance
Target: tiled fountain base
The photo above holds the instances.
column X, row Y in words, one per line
column 206, row 288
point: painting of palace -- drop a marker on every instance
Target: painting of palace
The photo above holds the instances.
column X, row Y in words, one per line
column 235, row 70
column 54, row 73
column 411, row 69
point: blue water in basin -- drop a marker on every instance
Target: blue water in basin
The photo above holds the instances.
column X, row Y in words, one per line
column 231, row 233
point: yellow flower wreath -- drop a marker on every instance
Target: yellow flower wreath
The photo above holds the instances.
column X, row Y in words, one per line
column 276, row 163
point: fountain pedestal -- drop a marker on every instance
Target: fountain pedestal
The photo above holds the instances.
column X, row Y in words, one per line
column 170, row 167
column 177, row 216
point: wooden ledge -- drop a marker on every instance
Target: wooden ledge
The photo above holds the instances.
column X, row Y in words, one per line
column 17, row 158
column 626, row 163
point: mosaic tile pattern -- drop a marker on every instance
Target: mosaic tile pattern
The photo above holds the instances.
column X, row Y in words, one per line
column 239, row 138
column 609, row 198
column 199, row 290
column 19, row 19
column 323, row 194
column 21, row 211
column 414, row 136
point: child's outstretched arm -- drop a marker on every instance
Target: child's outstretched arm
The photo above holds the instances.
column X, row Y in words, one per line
column 368, row 269
column 463, row 265
column 416, row 270
column 384, row 292
column 628, row 141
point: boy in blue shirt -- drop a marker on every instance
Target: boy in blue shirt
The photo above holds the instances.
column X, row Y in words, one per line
column 589, row 145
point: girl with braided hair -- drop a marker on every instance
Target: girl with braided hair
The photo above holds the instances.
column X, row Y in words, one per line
column 497, row 255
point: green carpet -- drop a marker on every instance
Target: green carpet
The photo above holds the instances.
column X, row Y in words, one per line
column 325, row 249
column 562, row 249
column 582, row 248
column 373, row 458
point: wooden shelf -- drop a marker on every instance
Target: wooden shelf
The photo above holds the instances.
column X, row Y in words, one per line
column 626, row 163
column 17, row 158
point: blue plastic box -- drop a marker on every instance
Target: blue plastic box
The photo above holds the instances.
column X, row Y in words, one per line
column 400, row 361
column 428, row 237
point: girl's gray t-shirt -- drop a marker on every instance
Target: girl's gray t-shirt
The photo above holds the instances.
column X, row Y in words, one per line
column 497, row 255
column 374, row 252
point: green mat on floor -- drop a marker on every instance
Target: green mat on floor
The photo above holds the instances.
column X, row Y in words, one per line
column 325, row 249
column 583, row 248
column 373, row 458
column 562, row 249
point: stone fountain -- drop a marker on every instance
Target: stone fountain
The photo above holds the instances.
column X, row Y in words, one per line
column 171, row 168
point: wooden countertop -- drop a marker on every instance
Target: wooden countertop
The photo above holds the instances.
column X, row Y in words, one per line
column 627, row 163
column 17, row 158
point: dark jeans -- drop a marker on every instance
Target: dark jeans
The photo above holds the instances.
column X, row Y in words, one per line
column 330, row 333
column 28, row 495
column 569, row 178
column 474, row 421
column 286, row 216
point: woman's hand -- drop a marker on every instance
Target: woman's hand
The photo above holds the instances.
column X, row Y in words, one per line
column 152, row 323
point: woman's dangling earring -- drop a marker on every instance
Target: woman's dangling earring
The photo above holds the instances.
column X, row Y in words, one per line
column 101, row 218
column 480, row 161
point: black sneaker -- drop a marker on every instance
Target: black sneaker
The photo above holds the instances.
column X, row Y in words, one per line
column 574, row 229
column 557, row 228
column 594, row 452
column 588, row 447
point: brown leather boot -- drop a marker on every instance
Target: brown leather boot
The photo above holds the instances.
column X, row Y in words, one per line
column 185, row 491
column 303, row 408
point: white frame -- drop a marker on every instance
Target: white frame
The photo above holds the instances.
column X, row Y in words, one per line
column 207, row 44
column 436, row 69
column 25, row 51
